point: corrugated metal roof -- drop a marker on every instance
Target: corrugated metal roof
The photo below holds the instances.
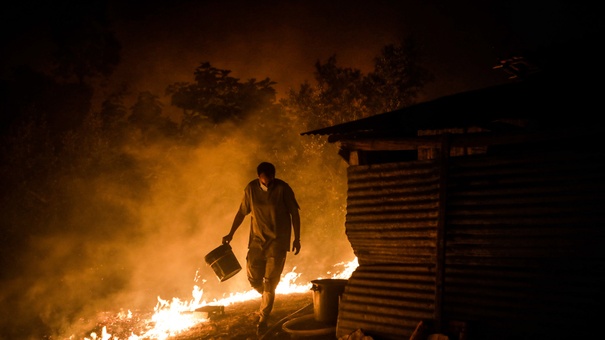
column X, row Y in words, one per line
column 540, row 102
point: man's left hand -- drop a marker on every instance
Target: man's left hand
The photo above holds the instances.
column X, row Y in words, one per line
column 296, row 247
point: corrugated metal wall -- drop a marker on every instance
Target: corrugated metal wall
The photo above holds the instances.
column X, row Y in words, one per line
column 392, row 216
column 524, row 241
column 524, row 245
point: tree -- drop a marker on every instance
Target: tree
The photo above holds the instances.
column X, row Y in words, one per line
column 340, row 90
column 147, row 117
column 216, row 97
column 398, row 77
column 338, row 96
column 343, row 94
column 113, row 112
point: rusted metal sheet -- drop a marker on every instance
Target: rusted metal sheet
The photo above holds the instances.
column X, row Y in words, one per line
column 523, row 247
column 392, row 212
column 392, row 217
column 524, row 243
column 387, row 301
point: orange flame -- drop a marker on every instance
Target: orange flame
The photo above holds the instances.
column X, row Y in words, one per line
column 176, row 316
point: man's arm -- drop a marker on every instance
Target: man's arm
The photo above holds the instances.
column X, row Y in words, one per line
column 237, row 221
column 296, row 227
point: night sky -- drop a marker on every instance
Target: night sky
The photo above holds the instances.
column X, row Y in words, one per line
column 185, row 216
column 164, row 41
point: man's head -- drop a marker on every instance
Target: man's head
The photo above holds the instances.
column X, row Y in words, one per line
column 266, row 173
column 265, row 168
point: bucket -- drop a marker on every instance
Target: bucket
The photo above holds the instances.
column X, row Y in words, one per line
column 223, row 262
column 326, row 297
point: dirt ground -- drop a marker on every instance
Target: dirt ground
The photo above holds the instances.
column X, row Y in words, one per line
column 238, row 322
column 235, row 322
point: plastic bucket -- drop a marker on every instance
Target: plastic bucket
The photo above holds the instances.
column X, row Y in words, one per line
column 223, row 262
column 326, row 297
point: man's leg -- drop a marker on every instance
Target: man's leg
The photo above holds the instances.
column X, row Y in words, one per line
column 255, row 267
column 273, row 270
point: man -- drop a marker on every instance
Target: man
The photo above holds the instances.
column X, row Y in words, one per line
column 274, row 214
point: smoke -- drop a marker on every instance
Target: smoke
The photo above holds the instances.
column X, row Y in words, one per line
column 128, row 235
column 122, row 237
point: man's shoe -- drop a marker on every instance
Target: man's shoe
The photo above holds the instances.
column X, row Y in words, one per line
column 261, row 328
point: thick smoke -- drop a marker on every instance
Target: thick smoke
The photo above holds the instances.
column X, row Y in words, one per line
column 129, row 237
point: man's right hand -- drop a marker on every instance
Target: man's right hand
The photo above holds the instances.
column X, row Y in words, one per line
column 227, row 238
column 296, row 247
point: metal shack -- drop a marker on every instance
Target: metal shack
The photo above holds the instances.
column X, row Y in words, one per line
column 479, row 215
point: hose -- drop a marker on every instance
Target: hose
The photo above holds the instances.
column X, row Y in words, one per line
column 283, row 320
column 309, row 332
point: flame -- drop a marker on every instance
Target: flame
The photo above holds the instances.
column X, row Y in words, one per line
column 175, row 316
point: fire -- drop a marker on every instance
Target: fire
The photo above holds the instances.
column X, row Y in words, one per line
column 175, row 316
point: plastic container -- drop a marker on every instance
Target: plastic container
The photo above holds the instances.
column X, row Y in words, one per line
column 326, row 298
column 223, row 262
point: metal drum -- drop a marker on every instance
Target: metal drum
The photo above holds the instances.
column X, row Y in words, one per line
column 326, row 298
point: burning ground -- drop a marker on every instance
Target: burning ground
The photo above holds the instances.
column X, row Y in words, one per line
column 233, row 317
column 237, row 321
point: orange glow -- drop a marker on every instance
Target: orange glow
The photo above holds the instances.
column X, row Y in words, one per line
column 175, row 316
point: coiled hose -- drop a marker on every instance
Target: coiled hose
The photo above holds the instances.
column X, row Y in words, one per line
column 279, row 324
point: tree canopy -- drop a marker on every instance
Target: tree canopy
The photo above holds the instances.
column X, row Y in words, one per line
column 216, row 97
column 343, row 94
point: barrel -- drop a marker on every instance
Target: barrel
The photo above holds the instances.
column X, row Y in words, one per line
column 223, row 262
column 326, row 298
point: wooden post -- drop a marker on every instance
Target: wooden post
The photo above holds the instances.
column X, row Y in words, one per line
column 440, row 256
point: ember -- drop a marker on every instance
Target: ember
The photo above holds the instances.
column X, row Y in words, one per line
column 174, row 317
